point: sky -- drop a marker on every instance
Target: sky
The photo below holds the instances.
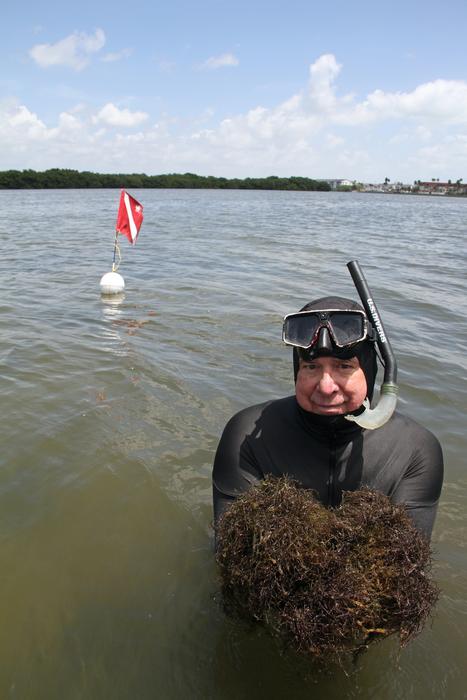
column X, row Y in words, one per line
column 357, row 90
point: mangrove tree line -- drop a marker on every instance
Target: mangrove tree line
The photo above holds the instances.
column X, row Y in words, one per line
column 59, row 178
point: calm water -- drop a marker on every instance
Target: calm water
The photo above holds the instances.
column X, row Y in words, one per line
column 112, row 413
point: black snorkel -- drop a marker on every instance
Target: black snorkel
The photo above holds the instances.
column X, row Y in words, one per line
column 378, row 416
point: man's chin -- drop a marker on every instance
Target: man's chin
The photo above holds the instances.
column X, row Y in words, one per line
column 329, row 410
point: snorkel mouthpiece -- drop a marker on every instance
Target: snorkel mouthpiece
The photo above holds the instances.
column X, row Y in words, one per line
column 372, row 418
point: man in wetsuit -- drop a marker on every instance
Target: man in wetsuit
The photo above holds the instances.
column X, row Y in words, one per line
column 307, row 436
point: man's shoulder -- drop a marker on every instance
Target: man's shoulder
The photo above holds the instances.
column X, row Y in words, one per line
column 275, row 408
column 403, row 428
column 400, row 420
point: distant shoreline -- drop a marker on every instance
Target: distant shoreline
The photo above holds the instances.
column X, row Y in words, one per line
column 59, row 178
column 65, row 179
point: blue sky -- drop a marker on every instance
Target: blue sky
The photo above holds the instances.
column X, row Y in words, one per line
column 358, row 90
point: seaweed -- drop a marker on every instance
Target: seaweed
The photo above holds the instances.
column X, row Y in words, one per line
column 326, row 582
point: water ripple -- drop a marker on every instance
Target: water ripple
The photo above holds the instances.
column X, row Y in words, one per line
column 113, row 410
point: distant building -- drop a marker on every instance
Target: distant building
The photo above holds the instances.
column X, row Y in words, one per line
column 435, row 187
column 440, row 188
column 387, row 187
column 335, row 184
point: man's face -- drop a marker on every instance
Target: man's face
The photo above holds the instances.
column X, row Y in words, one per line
column 330, row 386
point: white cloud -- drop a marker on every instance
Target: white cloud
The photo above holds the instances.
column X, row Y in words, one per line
column 68, row 122
column 334, row 141
column 438, row 100
column 303, row 126
column 113, row 116
column 116, row 56
column 323, row 73
column 318, row 132
column 16, row 121
column 423, row 133
column 74, row 51
column 222, row 61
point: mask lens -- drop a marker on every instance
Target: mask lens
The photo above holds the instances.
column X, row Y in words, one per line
column 300, row 330
column 347, row 327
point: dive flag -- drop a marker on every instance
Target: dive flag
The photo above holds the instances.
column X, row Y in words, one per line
column 129, row 217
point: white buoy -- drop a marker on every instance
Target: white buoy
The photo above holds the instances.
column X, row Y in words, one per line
column 112, row 283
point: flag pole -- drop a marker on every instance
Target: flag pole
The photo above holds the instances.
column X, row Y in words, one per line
column 115, row 267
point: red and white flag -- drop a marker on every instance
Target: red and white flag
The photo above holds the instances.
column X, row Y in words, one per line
column 129, row 217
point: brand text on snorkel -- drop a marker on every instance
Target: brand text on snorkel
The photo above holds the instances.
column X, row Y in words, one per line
column 375, row 317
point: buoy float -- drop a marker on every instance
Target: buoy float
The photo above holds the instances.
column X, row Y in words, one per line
column 112, row 283
column 129, row 220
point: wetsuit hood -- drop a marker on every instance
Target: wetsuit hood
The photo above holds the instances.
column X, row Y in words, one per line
column 365, row 351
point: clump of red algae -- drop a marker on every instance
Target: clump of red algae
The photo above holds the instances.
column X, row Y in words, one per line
column 326, row 582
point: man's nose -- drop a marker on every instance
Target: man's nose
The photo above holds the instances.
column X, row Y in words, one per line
column 327, row 385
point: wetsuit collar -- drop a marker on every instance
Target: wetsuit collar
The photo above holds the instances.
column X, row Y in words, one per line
column 328, row 427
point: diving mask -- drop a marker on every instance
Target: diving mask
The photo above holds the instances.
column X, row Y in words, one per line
column 346, row 328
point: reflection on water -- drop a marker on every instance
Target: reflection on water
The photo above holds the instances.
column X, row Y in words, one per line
column 114, row 406
column 112, row 301
column 112, row 311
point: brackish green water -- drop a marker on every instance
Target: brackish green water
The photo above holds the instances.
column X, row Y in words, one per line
column 112, row 412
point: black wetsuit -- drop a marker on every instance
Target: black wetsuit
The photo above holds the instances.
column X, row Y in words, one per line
column 330, row 455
